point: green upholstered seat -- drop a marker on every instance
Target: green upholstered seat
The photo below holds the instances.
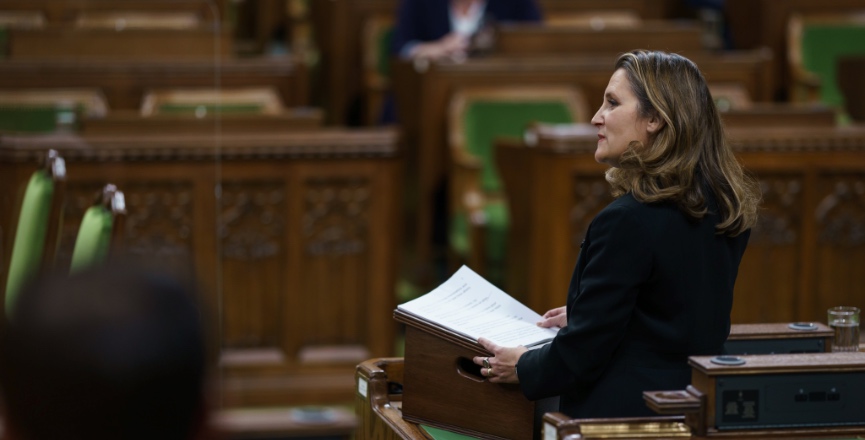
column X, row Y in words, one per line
column 37, row 118
column 94, row 238
column 441, row 434
column 822, row 45
column 383, row 40
column 193, row 109
column 483, row 122
column 30, row 235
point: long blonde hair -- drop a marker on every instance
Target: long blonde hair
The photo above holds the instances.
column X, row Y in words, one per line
column 689, row 154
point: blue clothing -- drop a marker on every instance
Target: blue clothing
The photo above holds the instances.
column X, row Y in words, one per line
column 651, row 287
column 421, row 21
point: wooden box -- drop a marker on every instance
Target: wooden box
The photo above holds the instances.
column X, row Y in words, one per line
column 779, row 338
column 442, row 387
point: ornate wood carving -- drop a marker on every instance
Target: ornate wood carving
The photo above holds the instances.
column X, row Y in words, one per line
column 840, row 214
column 251, row 222
column 159, row 223
column 779, row 219
column 336, row 218
column 591, row 195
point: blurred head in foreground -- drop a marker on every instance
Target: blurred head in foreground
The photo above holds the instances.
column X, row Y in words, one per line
column 116, row 352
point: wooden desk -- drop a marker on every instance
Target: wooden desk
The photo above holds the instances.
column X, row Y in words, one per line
column 131, row 122
column 561, row 427
column 304, row 236
column 763, row 23
column 339, row 28
column 682, row 37
column 69, row 43
column 804, row 255
column 67, row 11
column 378, row 403
column 423, row 93
column 124, row 83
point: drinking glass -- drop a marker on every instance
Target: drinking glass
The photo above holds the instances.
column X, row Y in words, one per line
column 845, row 321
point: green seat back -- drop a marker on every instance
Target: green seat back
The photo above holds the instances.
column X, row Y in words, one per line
column 37, row 118
column 29, row 242
column 484, row 121
column 383, row 41
column 191, row 109
column 822, row 45
column 441, row 434
column 94, row 238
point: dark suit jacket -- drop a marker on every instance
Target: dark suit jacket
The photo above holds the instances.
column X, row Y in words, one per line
column 650, row 288
column 429, row 20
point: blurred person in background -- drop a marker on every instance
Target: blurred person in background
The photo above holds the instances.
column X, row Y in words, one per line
column 442, row 29
column 115, row 352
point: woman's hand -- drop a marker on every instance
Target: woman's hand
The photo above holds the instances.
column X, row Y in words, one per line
column 501, row 367
column 557, row 317
column 453, row 46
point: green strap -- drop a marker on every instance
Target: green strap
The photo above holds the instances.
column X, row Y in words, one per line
column 29, row 243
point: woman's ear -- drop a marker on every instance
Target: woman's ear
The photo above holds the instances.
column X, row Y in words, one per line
column 655, row 124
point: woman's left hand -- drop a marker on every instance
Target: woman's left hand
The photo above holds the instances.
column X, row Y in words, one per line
column 501, row 367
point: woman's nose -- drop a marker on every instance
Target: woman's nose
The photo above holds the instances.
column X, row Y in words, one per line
column 596, row 120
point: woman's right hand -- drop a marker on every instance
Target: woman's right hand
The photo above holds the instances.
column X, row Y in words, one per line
column 452, row 46
column 557, row 317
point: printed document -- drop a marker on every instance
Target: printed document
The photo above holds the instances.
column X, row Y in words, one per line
column 472, row 306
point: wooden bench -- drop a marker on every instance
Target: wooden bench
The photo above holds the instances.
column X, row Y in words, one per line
column 528, row 39
column 298, row 254
column 124, row 83
column 423, row 91
column 803, row 256
column 70, row 43
column 68, row 12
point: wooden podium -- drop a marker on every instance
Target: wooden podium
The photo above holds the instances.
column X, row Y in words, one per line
column 779, row 338
column 442, row 387
column 801, row 394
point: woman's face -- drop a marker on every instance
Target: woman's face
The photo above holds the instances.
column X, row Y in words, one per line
column 618, row 120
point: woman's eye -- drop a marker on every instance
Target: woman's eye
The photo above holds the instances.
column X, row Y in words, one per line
column 612, row 102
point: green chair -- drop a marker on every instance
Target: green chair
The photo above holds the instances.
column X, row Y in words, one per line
column 377, row 35
column 478, row 209
column 101, row 230
column 815, row 42
column 49, row 110
column 37, row 233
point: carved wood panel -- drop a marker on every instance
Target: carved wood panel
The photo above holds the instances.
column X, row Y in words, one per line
column 251, row 232
column 840, row 250
column 766, row 292
column 336, row 233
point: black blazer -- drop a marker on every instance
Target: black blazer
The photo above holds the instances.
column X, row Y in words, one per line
column 651, row 287
column 429, row 20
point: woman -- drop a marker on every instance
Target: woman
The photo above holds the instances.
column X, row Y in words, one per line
column 441, row 29
column 654, row 280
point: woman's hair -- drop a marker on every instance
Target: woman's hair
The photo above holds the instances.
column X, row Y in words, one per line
column 689, row 154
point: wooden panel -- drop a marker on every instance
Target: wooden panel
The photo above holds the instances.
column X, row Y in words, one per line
column 125, row 83
column 65, row 43
column 524, row 39
column 646, row 9
column 423, row 92
column 126, row 122
column 68, row 11
column 298, row 254
column 803, row 257
column 378, row 402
